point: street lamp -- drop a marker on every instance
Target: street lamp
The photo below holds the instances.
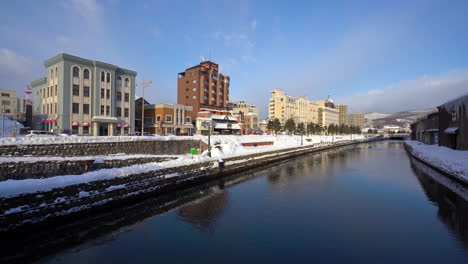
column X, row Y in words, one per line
column 143, row 85
column 208, row 125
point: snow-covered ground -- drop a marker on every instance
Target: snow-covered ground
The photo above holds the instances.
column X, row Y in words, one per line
column 230, row 146
column 454, row 162
column 9, row 126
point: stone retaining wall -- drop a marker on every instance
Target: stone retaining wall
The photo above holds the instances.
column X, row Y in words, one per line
column 50, row 168
column 155, row 147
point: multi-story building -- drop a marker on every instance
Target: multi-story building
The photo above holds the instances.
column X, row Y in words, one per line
column 202, row 86
column 327, row 114
column 343, row 114
column 84, row 97
column 249, row 116
column 9, row 102
column 285, row 107
column 168, row 119
column 217, row 121
column 356, row 119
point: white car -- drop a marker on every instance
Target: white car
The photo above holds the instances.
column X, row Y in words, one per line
column 41, row 133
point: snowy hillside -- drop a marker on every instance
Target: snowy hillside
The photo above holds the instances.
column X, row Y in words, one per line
column 402, row 119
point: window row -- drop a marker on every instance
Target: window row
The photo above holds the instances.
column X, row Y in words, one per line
column 49, row 109
column 76, row 73
column 119, row 82
column 49, row 91
column 76, row 90
column 76, row 109
column 119, row 112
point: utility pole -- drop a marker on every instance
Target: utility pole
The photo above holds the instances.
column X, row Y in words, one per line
column 143, row 85
column 208, row 124
column 3, row 121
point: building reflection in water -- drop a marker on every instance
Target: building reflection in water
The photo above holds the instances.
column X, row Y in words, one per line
column 204, row 213
column 450, row 196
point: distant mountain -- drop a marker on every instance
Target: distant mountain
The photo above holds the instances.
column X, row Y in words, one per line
column 401, row 119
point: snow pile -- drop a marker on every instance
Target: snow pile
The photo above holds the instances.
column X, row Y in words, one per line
column 453, row 162
column 9, row 126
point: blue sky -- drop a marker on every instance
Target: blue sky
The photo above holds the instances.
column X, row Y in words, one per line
column 384, row 56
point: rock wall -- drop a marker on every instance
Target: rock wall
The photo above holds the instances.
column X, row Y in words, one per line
column 155, row 147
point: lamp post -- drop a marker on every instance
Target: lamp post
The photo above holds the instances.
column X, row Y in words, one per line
column 143, row 85
column 208, row 125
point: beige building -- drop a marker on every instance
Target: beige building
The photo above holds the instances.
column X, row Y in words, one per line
column 8, row 99
column 356, row 119
column 328, row 116
column 343, row 114
column 249, row 115
column 284, row 107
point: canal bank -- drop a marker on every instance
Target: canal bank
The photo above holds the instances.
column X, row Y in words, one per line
column 61, row 204
column 361, row 203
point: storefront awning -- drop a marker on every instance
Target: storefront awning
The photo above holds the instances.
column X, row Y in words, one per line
column 126, row 126
column 75, row 124
column 118, row 125
column 86, row 124
column 432, row 130
column 451, row 130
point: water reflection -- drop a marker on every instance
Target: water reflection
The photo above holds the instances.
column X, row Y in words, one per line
column 204, row 213
column 451, row 198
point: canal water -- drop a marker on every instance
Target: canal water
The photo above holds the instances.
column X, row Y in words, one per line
column 367, row 203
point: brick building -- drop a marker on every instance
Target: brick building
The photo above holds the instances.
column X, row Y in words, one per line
column 202, row 86
column 168, row 119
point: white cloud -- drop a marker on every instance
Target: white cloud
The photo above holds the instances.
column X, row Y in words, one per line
column 426, row 92
column 253, row 25
column 12, row 63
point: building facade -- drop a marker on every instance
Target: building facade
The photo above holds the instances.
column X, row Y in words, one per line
column 168, row 119
column 84, row 97
column 9, row 102
column 285, row 107
column 453, row 123
column 202, row 86
column 211, row 121
column 249, row 116
column 426, row 129
column 356, row 119
column 343, row 114
column 328, row 116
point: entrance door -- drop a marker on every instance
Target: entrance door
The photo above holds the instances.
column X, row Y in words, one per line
column 103, row 130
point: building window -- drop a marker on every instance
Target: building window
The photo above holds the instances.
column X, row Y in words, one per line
column 74, row 130
column 126, row 112
column 119, row 82
column 127, row 97
column 194, row 97
column 5, row 102
column 108, row 94
column 86, row 74
column 158, row 118
column 102, row 110
column 7, row 111
column 86, row 130
column 76, row 90
column 108, row 77
column 55, row 106
column 194, row 89
column 56, row 90
column 102, row 93
column 119, row 111
column 454, row 116
column 187, row 119
column 5, row 94
column 194, row 81
column 168, row 118
column 76, row 72
column 86, row 109
column 119, row 96
column 127, row 82
column 186, row 97
column 107, row 110
column 102, row 77
column 86, row 91
column 76, row 108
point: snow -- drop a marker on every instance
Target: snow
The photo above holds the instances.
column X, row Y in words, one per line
column 453, row 162
column 451, row 130
column 222, row 147
column 97, row 159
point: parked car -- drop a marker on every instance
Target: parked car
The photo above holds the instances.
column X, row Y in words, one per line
column 41, row 133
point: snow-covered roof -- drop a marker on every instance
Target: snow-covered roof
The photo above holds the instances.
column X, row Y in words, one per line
column 451, row 130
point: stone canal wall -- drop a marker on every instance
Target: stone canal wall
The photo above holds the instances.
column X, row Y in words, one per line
column 32, row 210
column 50, row 168
column 155, row 147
